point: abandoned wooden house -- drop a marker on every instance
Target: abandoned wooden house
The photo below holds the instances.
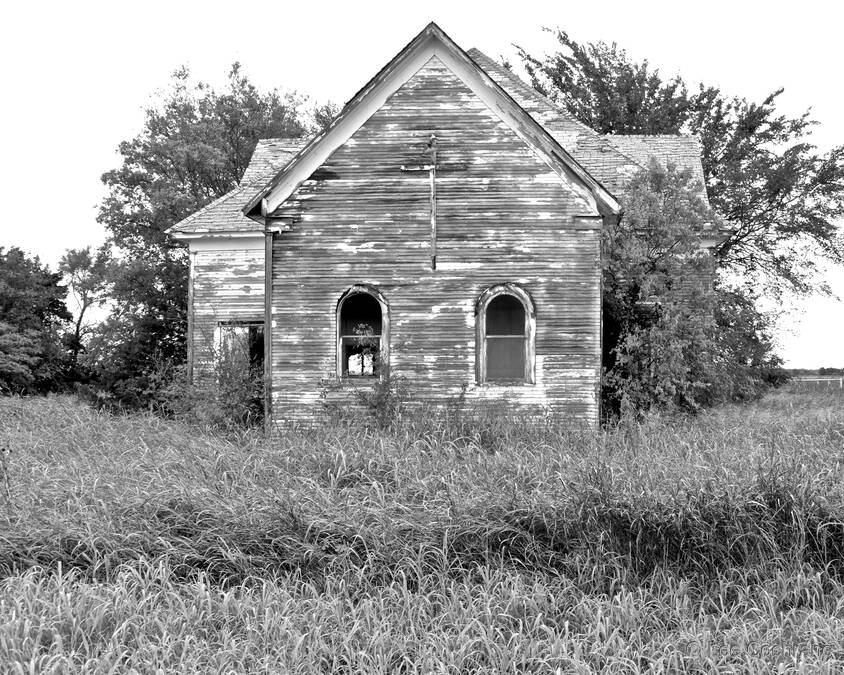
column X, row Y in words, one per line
column 446, row 225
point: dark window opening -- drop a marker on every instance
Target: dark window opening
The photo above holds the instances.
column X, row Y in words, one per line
column 360, row 336
column 256, row 347
column 505, row 340
column 241, row 346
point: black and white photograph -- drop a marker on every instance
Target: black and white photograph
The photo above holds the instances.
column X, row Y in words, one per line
column 379, row 337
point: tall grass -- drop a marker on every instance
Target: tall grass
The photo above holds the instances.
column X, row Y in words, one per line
column 714, row 542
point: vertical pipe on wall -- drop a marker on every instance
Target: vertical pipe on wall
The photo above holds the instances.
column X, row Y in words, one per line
column 268, row 326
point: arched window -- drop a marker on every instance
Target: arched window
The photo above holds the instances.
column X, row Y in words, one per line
column 505, row 326
column 362, row 332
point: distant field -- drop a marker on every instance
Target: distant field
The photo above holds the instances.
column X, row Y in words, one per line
column 684, row 545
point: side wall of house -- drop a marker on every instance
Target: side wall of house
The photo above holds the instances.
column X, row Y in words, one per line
column 226, row 286
column 504, row 216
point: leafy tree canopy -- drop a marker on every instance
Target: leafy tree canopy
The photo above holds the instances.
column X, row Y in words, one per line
column 779, row 194
column 32, row 314
column 30, row 295
column 88, row 275
column 194, row 146
column 672, row 340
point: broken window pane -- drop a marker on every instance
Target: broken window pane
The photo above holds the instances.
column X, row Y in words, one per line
column 359, row 363
column 360, row 335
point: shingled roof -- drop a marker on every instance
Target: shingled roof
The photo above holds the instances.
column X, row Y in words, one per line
column 609, row 159
column 270, row 156
column 683, row 151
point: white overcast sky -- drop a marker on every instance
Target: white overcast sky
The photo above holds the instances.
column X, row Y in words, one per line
column 77, row 75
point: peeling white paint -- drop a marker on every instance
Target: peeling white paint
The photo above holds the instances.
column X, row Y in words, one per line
column 457, row 266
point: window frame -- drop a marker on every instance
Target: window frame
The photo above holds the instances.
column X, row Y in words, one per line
column 384, row 338
column 481, row 307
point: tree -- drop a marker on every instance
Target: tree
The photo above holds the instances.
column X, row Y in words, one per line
column 88, row 275
column 323, row 115
column 20, row 355
column 604, row 89
column 672, row 340
column 658, row 304
column 32, row 314
column 194, row 147
column 780, row 196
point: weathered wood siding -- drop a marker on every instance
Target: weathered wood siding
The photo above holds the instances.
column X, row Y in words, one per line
column 506, row 217
column 227, row 285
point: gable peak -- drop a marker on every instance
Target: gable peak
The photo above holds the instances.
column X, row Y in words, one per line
column 431, row 41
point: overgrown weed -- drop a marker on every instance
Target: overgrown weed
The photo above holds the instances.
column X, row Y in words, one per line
column 470, row 545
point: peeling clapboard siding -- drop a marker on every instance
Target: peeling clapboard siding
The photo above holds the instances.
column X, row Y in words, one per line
column 227, row 285
column 505, row 217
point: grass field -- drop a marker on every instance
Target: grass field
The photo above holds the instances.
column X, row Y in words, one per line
column 686, row 545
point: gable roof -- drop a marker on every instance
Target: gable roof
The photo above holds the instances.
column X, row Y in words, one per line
column 608, row 160
column 226, row 213
column 432, row 41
